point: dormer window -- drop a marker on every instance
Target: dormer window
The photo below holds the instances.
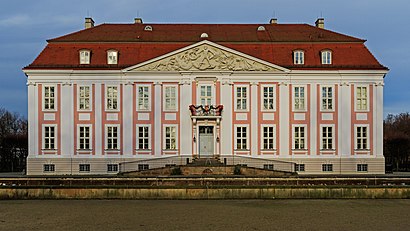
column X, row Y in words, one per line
column 84, row 57
column 299, row 57
column 326, row 57
column 112, row 57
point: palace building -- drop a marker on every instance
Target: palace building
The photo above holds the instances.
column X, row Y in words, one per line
column 123, row 97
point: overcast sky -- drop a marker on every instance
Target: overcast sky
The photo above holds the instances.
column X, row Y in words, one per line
column 25, row 25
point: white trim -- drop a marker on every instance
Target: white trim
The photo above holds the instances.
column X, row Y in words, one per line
column 305, row 137
column 262, row 126
column 213, row 92
column 176, row 97
column 300, row 52
column 149, row 137
column 248, row 134
column 305, row 97
column 321, row 97
column 55, row 97
column 247, row 98
column 90, row 97
column 321, row 137
column 113, row 62
column 87, row 60
column 90, row 126
column 164, row 137
column 118, row 137
column 367, row 138
column 55, row 137
column 322, row 53
column 138, row 97
column 106, row 97
column 262, row 86
column 367, row 97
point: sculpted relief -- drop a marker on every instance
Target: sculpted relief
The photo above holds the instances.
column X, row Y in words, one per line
column 205, row 58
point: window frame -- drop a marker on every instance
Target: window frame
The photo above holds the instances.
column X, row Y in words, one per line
column 138, row 126
column 298, row 54
column 326, row 55
column 263, row 126
column 50, row 168
column 54, row 98
column 247, row 148
column 89, row 126
column 86, row 168
column 300, row 167
column 304, row 138
column 90, row 93
column 362, row 167
column 165, row 137
column 322, row 108
column 117, row 98
column 166, row 107
column 118, row 137
column 332, row 138
column 367, row 138
column 299, row 109
column 112, row 170
column 55, row 138
column 213, row 93
column 273, row 98
column 327, row 167
column 148, row 98
column 356, row 98
column 246, row 98
column 84, row 60
column 112, row 62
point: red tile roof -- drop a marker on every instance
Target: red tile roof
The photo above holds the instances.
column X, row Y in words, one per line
column 274, row 45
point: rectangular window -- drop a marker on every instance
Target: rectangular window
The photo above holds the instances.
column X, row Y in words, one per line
column 112, row 167
column 143, row 167
column 112, row 137
column 170, row 138
column 241, row 98
column 48, row 168
column 49, row 98
column 49, row 137
column 298, row 57
column 84, row 57
column 241, row 138
column 268, row 138
column 170, row 98
column 361, row 138
column 84, row 167
column 84, row 98
column 206, row 95
column 361, row 98
column 327, row 167
column 362, row 167
column 326, row 57
column 143, row 98
column 84, row 137
column 299, row 167
column 112, row 98
column 299, row 98
column 268, row 98
column 327, row 138
column 268, row 166
column 112, row 57
column 143, row 137
column 299, row 134
column 327, row 98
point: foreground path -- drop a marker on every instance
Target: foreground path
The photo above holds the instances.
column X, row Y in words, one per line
column 205, row 215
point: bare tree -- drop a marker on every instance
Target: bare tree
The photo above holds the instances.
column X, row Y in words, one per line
column 397, row 141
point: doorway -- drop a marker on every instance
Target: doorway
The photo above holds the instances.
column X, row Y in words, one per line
column 206, row 141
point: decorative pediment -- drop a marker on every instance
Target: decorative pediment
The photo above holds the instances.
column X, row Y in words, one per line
column 206, row 56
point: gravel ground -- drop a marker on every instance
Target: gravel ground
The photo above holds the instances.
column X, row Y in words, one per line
column 205, row 215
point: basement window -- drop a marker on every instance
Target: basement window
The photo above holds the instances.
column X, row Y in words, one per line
column 84, row 167
column 143, row 167
column 49, row 168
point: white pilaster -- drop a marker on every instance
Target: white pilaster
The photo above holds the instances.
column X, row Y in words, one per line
column 345, row 119
column 313, row 119
column 284, row 104
column 254, row 118
column 67, row 120
column 32, row 118
column 185, row 118
column 378, row 119
column 157, row 119
column 98, row 120
column 127, row 104
column 226, row 122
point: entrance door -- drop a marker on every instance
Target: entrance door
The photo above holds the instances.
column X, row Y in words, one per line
column 206, row 141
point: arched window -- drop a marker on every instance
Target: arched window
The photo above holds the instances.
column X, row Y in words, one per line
column 326, row 57
column 85, row 57
column 112, row 57
column 298, row 57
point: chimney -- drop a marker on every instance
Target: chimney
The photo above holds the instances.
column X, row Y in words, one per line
column 320, row 23
column 89, row 22
column 273, row 21
column 138, row 20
